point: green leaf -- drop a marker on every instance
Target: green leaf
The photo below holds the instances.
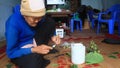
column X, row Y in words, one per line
column 115, row 53
column 74, row 66
column 9, row 65
column 93, row 57
column 54, row 65
column 111, row 56
column 68, row 54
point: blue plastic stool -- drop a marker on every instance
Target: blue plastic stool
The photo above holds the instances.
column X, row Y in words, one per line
column 78, row 24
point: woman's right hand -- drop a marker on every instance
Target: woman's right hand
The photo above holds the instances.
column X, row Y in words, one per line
column 42, row 49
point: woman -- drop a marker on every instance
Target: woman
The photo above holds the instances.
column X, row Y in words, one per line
column 24, row 48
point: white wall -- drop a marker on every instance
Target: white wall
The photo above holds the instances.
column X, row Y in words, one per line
column 100, row 4
column 5, row 11
column 93, row 3
column 7, row 5
column 108, row 3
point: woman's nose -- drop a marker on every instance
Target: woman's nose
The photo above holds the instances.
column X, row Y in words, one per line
column 36, row 21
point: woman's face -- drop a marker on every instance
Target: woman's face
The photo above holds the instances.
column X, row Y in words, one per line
column 32, row 21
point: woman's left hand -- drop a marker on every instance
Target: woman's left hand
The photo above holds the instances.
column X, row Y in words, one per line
column 56, row 39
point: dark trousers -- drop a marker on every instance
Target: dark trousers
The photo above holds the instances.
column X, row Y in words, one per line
column 29, row 61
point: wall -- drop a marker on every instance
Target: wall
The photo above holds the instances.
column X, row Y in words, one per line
column 7, row 5
column 100, row 4
column 93, row 3
column 107, row 3
column 5, row 11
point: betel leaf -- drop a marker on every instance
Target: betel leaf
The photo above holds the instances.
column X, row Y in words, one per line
column 93, row 58
column 111, row 56
column 54, row 65
column 9, row 65
column 74, row 66
column 68, row 54
column 115, row 53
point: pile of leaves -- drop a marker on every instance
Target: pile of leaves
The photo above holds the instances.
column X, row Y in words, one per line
column 93, row 55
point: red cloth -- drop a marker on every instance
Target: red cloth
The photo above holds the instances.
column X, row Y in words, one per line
column 112, row 36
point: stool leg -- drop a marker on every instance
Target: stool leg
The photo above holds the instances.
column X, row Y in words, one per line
column 98, row 27
column 71, row 25
column 77, row 25
column 119, row 28
column 99, row 24
column 80, row 25
column 111, row 27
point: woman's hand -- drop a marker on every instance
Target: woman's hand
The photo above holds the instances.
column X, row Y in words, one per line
column 56, row 39
column 42, row 49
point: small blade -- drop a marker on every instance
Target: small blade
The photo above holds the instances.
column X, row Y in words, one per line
column 53, row 46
